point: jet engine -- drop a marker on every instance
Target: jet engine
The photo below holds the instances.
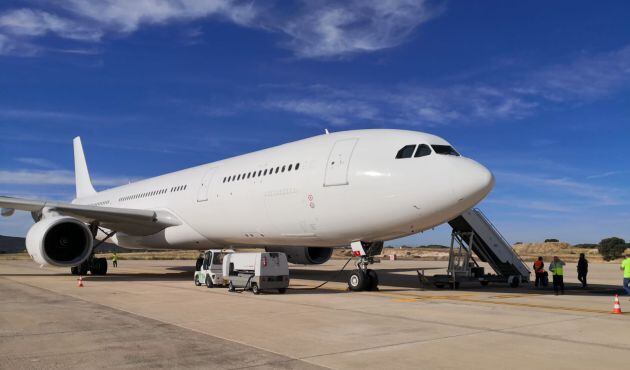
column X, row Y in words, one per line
column 59, row 241
column 304, row 255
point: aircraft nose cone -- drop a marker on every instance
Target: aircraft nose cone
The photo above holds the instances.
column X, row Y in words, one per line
column 473, row 182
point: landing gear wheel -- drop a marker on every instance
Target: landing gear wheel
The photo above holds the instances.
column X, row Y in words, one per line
column 372, row 282
column 255, row 289
column 230, row 287
column 98, row 266
column 209, row 283
column 196, row 279
column 82, row 269
column 454, row 285
column 513, row 281
column 74, row 270
column 357, row 281
column 282, row 290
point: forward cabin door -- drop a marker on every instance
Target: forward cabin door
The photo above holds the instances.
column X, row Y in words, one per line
column 339, row 162
column 204, row 189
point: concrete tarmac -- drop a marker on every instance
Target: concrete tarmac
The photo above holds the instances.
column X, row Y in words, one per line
column 148, row 314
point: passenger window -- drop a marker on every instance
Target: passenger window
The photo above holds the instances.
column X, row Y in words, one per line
column 265, row 173
column 290, row 166
column 445, row 150
column 277, row 169
column 297, row 166
column 249, row 175
column 423, row 150
column 406, row 152
column 283, row 167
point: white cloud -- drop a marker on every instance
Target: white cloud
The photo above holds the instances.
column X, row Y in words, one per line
column 588, row 194
column 312, row 29
column 328, row 29
column 52, row 177
column 37, row 162
column 128, row 16
column 29, row 22
column 407, row 106
column 606, row 174
column 586, row 78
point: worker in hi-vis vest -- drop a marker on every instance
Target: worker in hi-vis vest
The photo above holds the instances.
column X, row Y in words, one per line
column 557, row 269
column 625, row 266
column 114, row 260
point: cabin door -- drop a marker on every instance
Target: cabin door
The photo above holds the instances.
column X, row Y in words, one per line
column 204, row 188
column 339, row 162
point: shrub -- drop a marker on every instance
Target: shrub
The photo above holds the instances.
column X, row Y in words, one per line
column 552, row 241
column 612, row 248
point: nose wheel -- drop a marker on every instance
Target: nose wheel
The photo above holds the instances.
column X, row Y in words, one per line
column 364, row 278
column 360, row 280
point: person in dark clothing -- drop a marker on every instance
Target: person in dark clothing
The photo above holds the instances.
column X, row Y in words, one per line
column 582, row 270
column 539, row 271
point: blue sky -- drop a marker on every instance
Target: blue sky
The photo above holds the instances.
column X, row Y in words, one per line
column 537, row 91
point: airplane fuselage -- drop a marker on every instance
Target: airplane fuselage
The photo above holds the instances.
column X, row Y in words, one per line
column 324, row 191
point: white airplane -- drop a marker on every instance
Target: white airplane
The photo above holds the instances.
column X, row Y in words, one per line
column 351, row 188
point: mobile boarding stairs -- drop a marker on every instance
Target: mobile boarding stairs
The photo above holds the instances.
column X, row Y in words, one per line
column 474, row 234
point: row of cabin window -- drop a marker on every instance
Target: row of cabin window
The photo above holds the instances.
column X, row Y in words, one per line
column 423, row 150
column 103, row 203
column 152, row 193
column 261, row 173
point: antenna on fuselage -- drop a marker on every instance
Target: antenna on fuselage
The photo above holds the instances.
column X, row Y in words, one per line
column 326, row 131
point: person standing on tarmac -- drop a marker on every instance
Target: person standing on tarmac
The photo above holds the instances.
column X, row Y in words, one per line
column 582, row 270
column 539, row 271
column 557, row 269
column 625, row 266
column 114, row 260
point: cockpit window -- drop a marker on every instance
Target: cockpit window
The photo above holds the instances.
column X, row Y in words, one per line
column 423, row 150
column 406, row 151
column 444, row 149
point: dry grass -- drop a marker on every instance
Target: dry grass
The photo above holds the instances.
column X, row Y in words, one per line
column 530, row 251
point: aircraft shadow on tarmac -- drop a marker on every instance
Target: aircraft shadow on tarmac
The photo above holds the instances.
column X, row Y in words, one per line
column 401, row 279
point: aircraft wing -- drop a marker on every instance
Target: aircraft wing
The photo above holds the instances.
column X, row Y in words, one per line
column 126, row 220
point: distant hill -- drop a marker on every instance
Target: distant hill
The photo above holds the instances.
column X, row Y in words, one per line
column 13, row 244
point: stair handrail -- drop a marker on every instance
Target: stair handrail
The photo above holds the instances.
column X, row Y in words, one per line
column 496, row 231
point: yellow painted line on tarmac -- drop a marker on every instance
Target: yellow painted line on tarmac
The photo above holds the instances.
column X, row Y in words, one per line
column 504, row 303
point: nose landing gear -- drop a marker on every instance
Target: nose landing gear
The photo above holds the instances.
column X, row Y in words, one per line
column 364, row 278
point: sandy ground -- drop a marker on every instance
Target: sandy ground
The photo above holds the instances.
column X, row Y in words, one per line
column 148, row 314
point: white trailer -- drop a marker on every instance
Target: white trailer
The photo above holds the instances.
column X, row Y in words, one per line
column 256, row 271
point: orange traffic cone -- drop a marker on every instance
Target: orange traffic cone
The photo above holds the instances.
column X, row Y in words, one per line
column 80, row 280
column 616, row 306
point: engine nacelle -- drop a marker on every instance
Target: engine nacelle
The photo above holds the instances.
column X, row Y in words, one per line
column 59, row 241
column 304, row 255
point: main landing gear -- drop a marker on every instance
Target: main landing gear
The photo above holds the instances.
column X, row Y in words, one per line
column 97, row 266
column 364, row 278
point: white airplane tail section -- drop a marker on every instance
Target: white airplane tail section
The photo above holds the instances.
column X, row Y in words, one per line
column 81, row 174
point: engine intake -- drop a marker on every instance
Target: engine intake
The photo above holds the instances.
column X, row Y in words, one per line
column 59, row 241
column 304, row 255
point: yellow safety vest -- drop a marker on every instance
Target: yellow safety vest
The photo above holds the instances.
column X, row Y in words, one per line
column 557, row 269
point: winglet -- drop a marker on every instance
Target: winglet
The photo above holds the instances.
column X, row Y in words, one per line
column 81, row 174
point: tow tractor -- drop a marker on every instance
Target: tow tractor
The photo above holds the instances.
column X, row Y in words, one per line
column 209, row 268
